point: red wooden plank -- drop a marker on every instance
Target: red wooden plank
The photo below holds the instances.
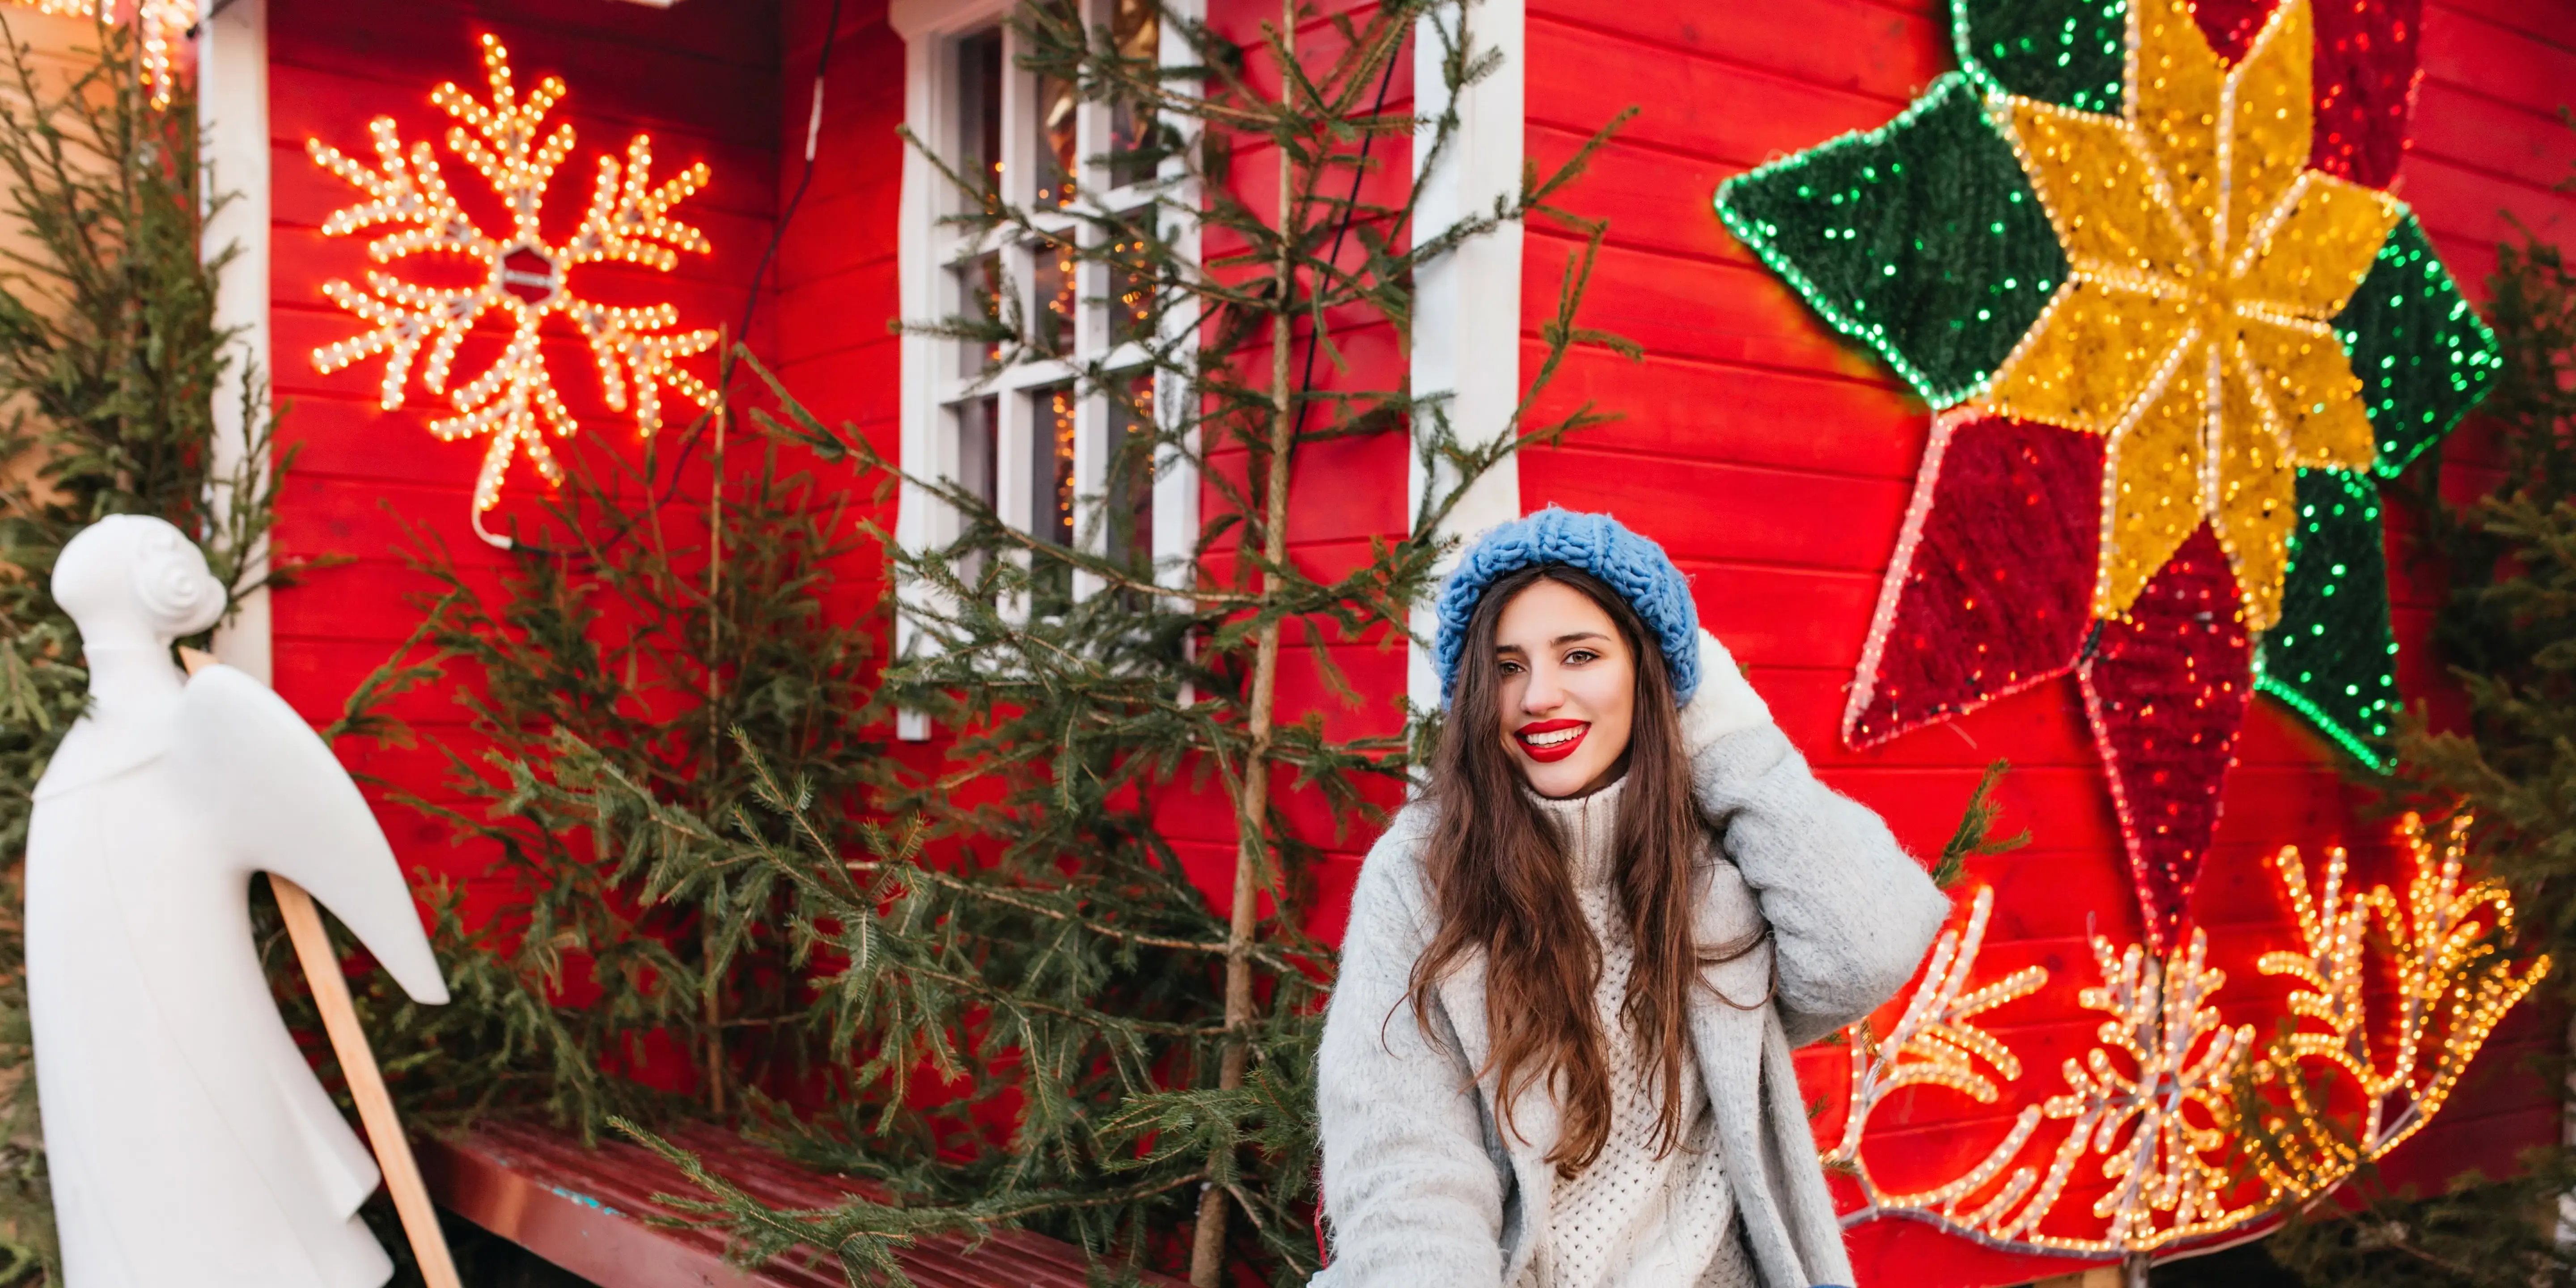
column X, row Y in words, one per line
column 1853, row 45
column 1701, row 509
column 744, row 34
column 1708, row 312
column 2466, row 203
column 2516, row 141
column 1581, row 78
column 1721, row 412
column 2552, row 24
column 851, row 226
column 646, row 82
column 854, row 302
column 2496, row 61
column 1652, row 197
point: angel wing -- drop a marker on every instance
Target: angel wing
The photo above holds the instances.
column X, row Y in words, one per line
column 280, row 802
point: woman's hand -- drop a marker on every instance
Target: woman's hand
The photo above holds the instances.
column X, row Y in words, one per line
column 1725, row 703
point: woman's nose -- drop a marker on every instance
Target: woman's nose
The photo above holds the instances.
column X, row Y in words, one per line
column 1543, row 694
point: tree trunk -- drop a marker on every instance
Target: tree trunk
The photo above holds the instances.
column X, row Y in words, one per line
column 1207, row 1251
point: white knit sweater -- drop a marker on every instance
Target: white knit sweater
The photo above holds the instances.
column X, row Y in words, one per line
column 1642, row 1215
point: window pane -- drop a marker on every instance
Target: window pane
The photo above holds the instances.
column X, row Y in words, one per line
column 1056, row 105
column 1051, row 508
column 1131, row 314
column 979, row 458
column 979, row 299
column 979, row 108
column 1138, row 28
column 1131, row 475
column 1051, row 464
column 979, row 441
column 1053, row 265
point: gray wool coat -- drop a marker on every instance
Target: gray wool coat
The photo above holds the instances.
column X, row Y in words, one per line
column 1423, row 1188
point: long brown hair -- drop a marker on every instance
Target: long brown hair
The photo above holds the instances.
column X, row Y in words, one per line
column 1500, row 882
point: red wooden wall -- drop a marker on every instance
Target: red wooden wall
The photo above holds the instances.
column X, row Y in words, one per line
column 701, row 79
column 1784, row 458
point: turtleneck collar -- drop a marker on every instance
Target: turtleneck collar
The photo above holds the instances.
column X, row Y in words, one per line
column 1586, row 825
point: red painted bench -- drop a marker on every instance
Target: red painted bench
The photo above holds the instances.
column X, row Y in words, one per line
column 584, row 1209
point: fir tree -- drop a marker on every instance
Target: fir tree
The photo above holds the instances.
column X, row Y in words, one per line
column 110, row 366
column 684, row 646
column 2508, row 636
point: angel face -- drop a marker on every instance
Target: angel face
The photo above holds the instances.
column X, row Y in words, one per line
column 129, row 577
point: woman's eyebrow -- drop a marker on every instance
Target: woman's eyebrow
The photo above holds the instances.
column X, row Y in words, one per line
column 1562, row 640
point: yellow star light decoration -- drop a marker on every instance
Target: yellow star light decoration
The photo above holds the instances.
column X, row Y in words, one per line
column 2206, row 265
column 525, row 279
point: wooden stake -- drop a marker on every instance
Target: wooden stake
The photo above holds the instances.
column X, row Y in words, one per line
column 366, row 1083
column 358, row 1065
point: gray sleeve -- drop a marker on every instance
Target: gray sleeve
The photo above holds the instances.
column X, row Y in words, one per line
column 1851, row 913
column 1412, row 1197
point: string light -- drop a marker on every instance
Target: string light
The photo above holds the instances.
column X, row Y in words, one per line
column 2444, row 942
column 2072, row 55
column 1990, row 589
column 2154, row 1099
column 2223, row 303
column 2423, row 355
column 2205, row 254
column 154, row 21
column 2333, row 657
column 2165, row 689
column 513, row 402
column 1920, row 239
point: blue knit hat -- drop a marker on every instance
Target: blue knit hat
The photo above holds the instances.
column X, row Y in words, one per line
column 1596, row 543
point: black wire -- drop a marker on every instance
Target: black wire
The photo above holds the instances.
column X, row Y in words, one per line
column 804, row 180
column 750, row 305
column 1350, row 209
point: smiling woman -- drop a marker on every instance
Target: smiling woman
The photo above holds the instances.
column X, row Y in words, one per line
column 1619, row 903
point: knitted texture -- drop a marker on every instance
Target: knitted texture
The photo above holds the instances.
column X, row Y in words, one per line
column 1641, row 1216
column 1596, row 543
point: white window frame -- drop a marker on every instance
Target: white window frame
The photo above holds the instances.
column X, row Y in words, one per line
column 934, row 380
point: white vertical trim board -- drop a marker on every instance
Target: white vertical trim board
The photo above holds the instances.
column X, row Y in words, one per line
column 1467, row 305
column 232, row 111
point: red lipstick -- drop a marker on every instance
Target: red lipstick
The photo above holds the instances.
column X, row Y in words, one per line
column 1550, row 752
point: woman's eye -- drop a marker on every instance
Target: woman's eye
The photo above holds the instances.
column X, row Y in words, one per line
column 1580, row 656
column 1511, row 668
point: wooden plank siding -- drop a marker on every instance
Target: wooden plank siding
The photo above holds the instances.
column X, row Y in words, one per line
column 1785, row 458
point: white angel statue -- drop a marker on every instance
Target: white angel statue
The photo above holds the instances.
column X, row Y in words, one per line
column 188, row 1140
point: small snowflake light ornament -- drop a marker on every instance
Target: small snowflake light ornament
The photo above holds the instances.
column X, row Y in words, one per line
column 2139, row 257
column 526, row 277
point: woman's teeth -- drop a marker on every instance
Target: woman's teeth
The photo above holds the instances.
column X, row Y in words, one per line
column 1552, row 738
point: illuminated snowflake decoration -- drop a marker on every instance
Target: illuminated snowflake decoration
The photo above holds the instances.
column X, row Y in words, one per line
column 526, row 281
